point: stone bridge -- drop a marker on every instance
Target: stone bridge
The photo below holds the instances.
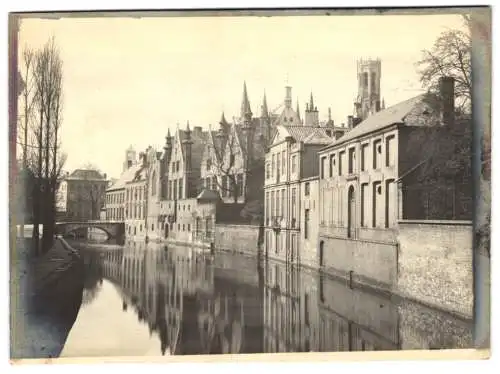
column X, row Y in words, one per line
column 114, row 229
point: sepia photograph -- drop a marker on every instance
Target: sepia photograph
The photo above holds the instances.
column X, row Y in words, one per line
column 232, row 182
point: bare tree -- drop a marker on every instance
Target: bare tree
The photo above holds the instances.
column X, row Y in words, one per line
column 450, row 56
column 42, row 138
column 94, row 191
column 227, row 180
column 443, row 177
column 26, row 92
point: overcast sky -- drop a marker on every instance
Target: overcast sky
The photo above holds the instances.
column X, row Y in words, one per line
column 128, row 80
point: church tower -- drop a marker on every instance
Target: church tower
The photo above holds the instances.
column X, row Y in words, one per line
column 368, row 100
column 311, row 114
column 130, row 158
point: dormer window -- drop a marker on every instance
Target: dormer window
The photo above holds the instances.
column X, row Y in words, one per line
column 209, row 164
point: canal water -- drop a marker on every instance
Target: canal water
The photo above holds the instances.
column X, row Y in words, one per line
column 156, row 300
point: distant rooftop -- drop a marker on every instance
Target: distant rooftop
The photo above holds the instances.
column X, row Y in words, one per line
column 86, row 174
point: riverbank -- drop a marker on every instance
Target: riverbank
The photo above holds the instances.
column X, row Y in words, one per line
column 46, row 294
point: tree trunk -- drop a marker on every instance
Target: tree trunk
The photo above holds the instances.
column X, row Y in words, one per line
column 36, row 221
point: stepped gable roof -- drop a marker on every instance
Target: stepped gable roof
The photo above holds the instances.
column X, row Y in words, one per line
column 198, row 143
column 219, row 143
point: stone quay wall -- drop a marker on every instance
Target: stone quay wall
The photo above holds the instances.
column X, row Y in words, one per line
column 435, row 264
column 237, row 238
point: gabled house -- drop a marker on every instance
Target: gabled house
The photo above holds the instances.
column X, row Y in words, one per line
column 291, row 200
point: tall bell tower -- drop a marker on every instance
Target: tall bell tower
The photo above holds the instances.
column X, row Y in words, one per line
column 368, row 101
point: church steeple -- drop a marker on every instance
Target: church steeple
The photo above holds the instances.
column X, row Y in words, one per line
column 264, row 111
column 298, row 110
column 311, row 103
column 245, row 104
column 311, row 113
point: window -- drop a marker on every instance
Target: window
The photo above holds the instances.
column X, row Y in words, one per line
column 352, row 156
column 178, row 227
column 294, row 163
column 178, row 166
column 209, row 164
column 365, row 80
column 278, row 165
column 364, row 205
column 189, row 227
column 239, row 183
column 277, row 203
column 267, row 207
column 323, row 166
column 377, row 150
column 283, row 162
column 283, row 202
column 364, row 156
column 231, row 160
column 181, row 195
column 268, row 171
column 389, row 151
column 272, row 204
column 224, row 183
column 169, row 192
column 341, row 161
column 332, row 163
column 183, row 227
column 294, row 204
column 153, row 182
column 214, row 183
column 174, row 182
column 376, row 191
column 207, row 183
column 152, row 227
column 306, row 189
column 306, row 224
column 372, row 82
column 272, row 166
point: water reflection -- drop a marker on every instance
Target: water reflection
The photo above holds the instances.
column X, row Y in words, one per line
column 196, row 303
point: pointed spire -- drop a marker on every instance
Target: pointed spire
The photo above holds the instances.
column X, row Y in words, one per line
column 329, row 114
column 311, row 103
column 298, row 110
column 223, row 119
column 245, row 104
column 264, row 111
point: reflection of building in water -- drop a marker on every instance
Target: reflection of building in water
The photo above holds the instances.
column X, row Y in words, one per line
column 355, row 319
column 304, row 313
column 239, row 282
column 175, row 294
column 290, row 309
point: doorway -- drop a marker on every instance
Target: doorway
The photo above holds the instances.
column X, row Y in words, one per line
column 351, row 212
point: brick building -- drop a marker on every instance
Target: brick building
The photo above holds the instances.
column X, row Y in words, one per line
column 81, row 195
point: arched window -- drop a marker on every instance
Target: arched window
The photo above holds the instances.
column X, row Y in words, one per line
column 153, row 182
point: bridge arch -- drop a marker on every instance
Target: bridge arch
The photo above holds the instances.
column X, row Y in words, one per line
column 112, row 229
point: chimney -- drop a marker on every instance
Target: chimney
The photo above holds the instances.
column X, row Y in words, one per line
column 143, row 158
column 350, row 122
column 447, row 93
column 198, row 131
column 104, row 176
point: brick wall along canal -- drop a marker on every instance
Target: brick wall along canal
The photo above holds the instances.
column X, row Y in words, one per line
column 154, row 301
